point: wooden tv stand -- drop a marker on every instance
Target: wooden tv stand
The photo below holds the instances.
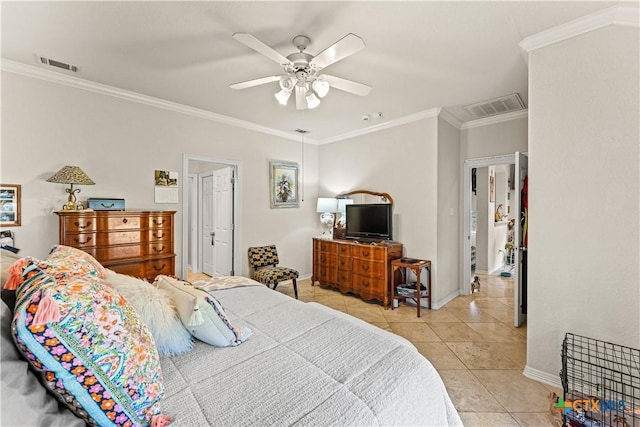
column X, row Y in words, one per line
column 352, row 267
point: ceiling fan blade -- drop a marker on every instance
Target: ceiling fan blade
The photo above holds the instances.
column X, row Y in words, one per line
column 348, row 45
column 301, row 101
column 347, row 85
column 254, row 82
column 258, row 46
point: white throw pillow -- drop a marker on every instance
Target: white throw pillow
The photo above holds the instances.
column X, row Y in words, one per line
column 157, row 309
column 202, row 314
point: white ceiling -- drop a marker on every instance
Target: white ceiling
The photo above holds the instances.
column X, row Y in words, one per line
column 419, row 55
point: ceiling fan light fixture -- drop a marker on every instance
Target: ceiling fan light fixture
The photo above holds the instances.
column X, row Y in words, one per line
column 283, row 96
column 287, row 83
column 321, row 87
column 312, row 100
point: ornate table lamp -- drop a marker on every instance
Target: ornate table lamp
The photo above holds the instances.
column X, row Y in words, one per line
column 327, row 206
column 71, row 175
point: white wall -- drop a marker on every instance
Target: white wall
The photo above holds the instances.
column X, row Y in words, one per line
column 401, row 161
column 584, row 243
column 494, row 139
column 449, row 178
column 119, row 144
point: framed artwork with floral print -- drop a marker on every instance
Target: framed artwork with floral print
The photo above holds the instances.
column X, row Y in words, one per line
column 283, row 181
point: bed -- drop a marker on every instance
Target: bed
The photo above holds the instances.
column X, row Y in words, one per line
column 304, row 364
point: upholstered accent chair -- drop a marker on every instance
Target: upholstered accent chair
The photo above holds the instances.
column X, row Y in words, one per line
column 263, row 267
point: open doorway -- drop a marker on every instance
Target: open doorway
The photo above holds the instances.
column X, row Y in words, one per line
column 211, row 192
column 492, row 202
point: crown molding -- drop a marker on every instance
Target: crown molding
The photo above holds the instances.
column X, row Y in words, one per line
column 420, row 115
column 616, row 15
column 495, row 119
column 449, row 118
column 78, row 83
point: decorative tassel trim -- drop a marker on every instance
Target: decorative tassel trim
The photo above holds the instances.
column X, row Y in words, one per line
column 196, row 317
column 15, row 278
column 160, row 420
column 48, row 310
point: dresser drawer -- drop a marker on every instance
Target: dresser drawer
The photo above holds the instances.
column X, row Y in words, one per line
column 79, row 224
column 124, row 222
column 160, row 235
column 159, row 266
column 345, row 263
column 328, row 260
column 369, row 252
column 344, row 280
column 119, row 238
column 160, row 221
column 159, row 248
column 344, row 250
column 120, row 252
column 369, row 287
column 80, row 240
column 328, row 246
column 327, row 275
column 369, row 268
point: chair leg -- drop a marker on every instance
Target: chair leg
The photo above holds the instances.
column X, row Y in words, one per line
column 274, row 286
column 295, row 288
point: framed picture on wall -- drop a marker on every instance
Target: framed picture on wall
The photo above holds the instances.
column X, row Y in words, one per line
column 9, row 205
column 283, row 184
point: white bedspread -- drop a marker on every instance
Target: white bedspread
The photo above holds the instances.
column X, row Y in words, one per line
column 303, row 366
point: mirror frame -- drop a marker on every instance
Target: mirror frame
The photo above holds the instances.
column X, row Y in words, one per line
column 371, row 193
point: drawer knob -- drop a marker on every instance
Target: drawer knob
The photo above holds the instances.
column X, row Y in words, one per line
column 365, row 267
column 158, row 223
column 107, row 206
column 158, row 250
column 156, row 268
column 82, row 227
column 365, row 253
column 80, row 242
column 158, row 236
column 125, row 220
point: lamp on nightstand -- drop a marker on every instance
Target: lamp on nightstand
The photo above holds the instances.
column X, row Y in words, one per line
column 71, row 175
column 327, row 206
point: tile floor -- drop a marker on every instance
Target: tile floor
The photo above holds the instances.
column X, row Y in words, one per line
column 471, row 342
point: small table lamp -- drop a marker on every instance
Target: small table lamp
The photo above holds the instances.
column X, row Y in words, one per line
column 71, row 175
column 327, row 206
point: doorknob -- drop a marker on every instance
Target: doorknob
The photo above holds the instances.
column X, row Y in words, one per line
column 213, row 235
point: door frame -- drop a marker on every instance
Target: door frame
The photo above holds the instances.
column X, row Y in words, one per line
column 466, row 209
column 236, row 207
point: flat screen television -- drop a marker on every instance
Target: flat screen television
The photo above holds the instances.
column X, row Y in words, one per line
column 369, row 222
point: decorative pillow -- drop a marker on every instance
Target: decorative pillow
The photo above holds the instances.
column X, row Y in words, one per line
column 68, row 261
column 157, row 310
column 24, row 401
column 202, row 314
column 90, row 347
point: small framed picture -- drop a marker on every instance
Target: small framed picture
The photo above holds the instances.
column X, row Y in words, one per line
column 9, row 205
column 283, row 182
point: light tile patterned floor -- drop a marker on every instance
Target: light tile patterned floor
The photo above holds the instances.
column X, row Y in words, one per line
column 471, row 342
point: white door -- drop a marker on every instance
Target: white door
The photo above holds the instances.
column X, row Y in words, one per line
column 223, row 222
column 520, row 279
column 207, row 231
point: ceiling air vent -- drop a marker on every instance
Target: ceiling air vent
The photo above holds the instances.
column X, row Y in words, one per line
column 59, row 64
column 504, row 104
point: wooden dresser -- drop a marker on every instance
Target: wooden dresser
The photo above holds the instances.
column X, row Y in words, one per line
column 137, row 243
column 360, row 268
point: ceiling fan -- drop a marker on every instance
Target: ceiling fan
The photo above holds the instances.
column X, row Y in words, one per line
column 302, row 70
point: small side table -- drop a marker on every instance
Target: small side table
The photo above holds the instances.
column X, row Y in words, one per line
column 415, row 265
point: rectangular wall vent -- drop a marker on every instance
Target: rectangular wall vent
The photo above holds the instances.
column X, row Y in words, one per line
column 492, row 107
column 59, row 64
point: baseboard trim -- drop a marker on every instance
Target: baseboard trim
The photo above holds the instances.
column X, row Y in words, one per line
column 543, row 377
column 441, row 303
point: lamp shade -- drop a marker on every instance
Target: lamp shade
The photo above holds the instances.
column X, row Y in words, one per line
column 71, row 175
column 342, row 205
column 327, row 204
